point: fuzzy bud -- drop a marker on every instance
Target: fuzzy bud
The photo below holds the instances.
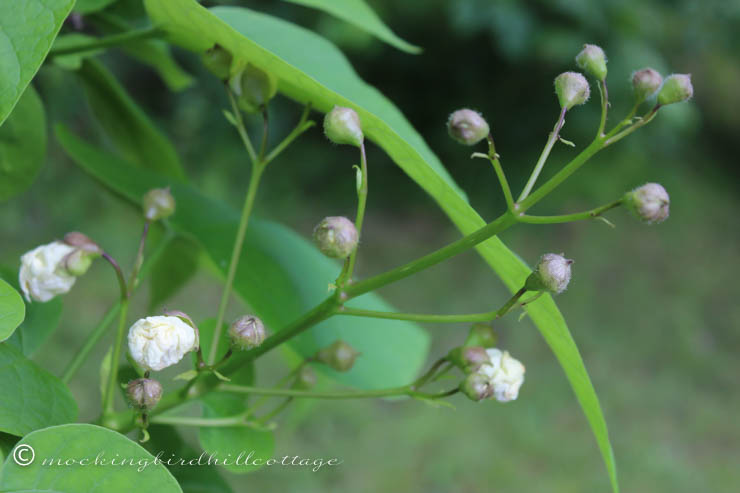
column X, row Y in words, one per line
column 476, row 386
column 676, row 89
column 144, row 393
column 247, row 332
column 158, row 203
column 342, row 126
column 481, row 334
column 572, row 89
column 469, row 358
column 253, row 88
column 649, row 203
column 82, row 242
column 305, row 379
column 467, row 127
column 218, row 61
column 551, row 274
column 339, row 356
column 336, row 237
column 645, row 83
column 592, row 60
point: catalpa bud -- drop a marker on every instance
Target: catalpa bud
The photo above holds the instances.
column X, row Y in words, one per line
column 342, row 126
column 157, row 204
column 551, row 274
column 467, row 127
column 645, row 83
column 336, row 237
column 144, row 393
column 218, row 61
column 253, row 88
column 247, row 332
column 572, row 89
column 339, row 356
column 649, row 203
column 592, row 60
column 676, row 89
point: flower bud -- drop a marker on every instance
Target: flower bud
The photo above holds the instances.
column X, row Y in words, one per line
column 467, row 127
column 161, row 341
column 481, row 334
column 572, row 89
column 342, row 126
column 218, row 61
column 505, row 375
column 43, row 273
column 339, row 356
column 468, row 358
column 551, row 274
column 247, row 332
column 305, row 379
column 676, row 89
column 645, row 82
column 144, row 393
column 649, row 203
column 592, row 60
column 82, row 242
column 336, row 237
column 77, row 262
column 476, row 386
column 158, row 203
column 253, row 87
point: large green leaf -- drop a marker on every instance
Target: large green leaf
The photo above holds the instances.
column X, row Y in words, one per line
column 310, row 69
column 32, row 398
column 27, row 30
column 281, row 275
column 12, row 310
column 126, row 124
column 359, row 14
column 22, row 145
column 88, row 446
column 173, row 269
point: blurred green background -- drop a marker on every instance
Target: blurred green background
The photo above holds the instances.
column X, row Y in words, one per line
column 653, row 309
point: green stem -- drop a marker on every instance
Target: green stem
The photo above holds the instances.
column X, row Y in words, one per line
column 346, row 274
column 422, row 380
column 624, row 133
column 280, row 408
column 552, row 138
column 236, row 420
column 265, row 134
column 241, row 128
column 113, row 40
column 109, row 397
column 604, row 96
column 133, row 282
column 566, row 218
column 346, row 394
column 303, row 125
column 494, row 158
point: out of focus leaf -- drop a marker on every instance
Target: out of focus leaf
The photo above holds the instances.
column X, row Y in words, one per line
column 73, row 61
column 12, row 310
column 173, row 269
column 90, row 6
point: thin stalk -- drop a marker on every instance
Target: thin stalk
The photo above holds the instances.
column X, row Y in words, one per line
column 494, row 158
column 624, row 133
column 265, row 134
column 119, row 274
column 552, row 138
column 361, row 204
column 113, row 40
column 604, row 96
column 236, row 420
column 426, row 377
column 110, row 388
column 566, row 218
column 241, row 128
column 346, row 394
column 303, row 125
column 278, row 409
column 139, row 260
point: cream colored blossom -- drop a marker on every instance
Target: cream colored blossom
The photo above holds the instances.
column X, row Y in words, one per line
column 43, row 274
column 158, row 342
column 505, row 375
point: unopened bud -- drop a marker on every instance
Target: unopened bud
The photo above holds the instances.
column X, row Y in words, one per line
column 481, row 334
column 77, row 262
column 476, row 386
column 305, row 379
column 649, row 203
column 572, row 89
column 645, row 82
column 247, row 332
column 467, row 127
column 592, row 60
column 676, row 89
column 158, row 203
column 218, row 61
column 253, row 87
column 551, row 274
column 82, row 242
column 469, row 358
column 340, row 356
column 144, row 393
column 336, row 236
column 342, row 126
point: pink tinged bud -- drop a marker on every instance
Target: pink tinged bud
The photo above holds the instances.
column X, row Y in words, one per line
column 469, row 358
column 144, row 393
column 340, row 356
column 218, row 61
column 82, row 242
column 676, row 89
column 247, row 332
column 336, row 237
column 551, row 274
column 572, row 89
column 467, row 127
column 476, row 387
column 157, row 204
column 592, row 60
column 342, row 126
column 645, row 83
column 650, row 203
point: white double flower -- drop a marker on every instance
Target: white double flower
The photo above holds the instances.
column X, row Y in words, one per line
column 43, row 274
column 505, row 375
column 161, row 341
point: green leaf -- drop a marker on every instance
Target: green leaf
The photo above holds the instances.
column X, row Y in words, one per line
column 27, row 30
column 7, row 443
column 12, row 310
column 309, row 68
column 73, row 61
column 85, row 442
column 126, row 124
column 104, row 373
column 22, row 145
column 359, row 14
column 281, row 275
column 174, row 268
column 90, row 6
column 32, row 398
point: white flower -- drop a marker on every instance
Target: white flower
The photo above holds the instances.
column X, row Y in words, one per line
column 43, row 274
column 158, row 342
column 505, row 375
